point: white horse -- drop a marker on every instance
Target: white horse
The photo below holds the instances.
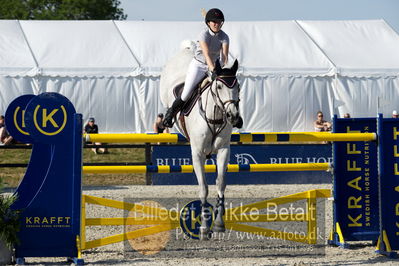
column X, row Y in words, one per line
column 208, row 126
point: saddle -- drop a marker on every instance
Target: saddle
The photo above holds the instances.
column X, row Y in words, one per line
column 195, row 94
column 189, row 104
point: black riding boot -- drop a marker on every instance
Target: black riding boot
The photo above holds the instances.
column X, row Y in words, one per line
column 172, row 111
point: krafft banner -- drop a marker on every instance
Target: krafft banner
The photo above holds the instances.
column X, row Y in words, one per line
column 389, row 186
column 49, row 194
column 356, row 186
column 247, row 154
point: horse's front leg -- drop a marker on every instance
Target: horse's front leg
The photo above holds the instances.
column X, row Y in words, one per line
column 223, row 156
column 206, row 215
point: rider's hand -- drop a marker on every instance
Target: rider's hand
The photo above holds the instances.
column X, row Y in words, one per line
column 211, row 74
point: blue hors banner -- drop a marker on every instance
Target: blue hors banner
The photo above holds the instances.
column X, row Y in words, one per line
column 356, row 200
column 247, row 154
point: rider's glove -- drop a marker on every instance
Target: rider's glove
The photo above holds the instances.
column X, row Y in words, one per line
column 211, row 75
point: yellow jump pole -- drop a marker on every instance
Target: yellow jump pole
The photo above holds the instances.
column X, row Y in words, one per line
column 236, row 137
column 135, row 138
column 208, row 168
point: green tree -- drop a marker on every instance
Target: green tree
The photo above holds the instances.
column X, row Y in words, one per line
column 61, row 10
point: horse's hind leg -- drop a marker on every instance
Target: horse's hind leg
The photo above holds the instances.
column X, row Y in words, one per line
column 222, row 160
column 198, row 164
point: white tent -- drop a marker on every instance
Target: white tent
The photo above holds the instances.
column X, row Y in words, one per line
column 288, row 69
column 366, row 57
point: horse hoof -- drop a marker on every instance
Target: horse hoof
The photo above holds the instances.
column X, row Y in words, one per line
column 205, row 234
column 219, row 228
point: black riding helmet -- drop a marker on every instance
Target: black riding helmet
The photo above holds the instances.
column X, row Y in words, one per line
column 214, row 14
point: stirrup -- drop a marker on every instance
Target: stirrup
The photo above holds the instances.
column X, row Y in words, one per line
column 172, row 112
column 168, row 122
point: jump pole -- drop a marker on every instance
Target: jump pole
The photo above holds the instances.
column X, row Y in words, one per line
column 235, row 137
column 208, row 168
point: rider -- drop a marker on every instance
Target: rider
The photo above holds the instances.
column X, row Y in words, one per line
column 212, row 43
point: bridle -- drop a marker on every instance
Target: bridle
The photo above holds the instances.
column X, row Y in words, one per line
column 229, row 83
column 217, row 125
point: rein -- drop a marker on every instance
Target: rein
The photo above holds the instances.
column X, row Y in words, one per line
column 217, row 125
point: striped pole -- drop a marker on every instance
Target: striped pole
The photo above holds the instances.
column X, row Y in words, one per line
column 235, row 137
column 208, row 168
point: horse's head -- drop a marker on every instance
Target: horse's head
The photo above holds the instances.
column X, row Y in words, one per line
column 227, row 89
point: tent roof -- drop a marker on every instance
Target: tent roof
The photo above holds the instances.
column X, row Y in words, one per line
column 357, row 48
column 154, row 43
column 69, row 48
column 131, row 48
column 15, row 56
column 266, row 47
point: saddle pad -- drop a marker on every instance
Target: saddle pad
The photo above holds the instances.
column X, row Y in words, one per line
column 195, row 94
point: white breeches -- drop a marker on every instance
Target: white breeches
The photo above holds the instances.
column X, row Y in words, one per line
column 195, row 73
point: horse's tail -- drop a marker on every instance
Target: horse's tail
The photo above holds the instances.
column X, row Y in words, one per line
column 187, row 44
column 174, row 72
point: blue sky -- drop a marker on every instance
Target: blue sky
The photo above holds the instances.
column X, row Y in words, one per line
column 190, row 10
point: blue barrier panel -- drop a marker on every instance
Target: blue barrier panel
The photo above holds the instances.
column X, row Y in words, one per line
column 247, row 154
column 356, row 210
column 388, row 130
column 40, row 156
column 50, row 193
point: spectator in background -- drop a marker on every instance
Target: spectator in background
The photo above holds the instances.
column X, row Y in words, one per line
column 395, row 114
column 2, row 121
column 158, row 125
column 5, row 137
column 321, row 125
column 347, row 115
column 92, row 128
